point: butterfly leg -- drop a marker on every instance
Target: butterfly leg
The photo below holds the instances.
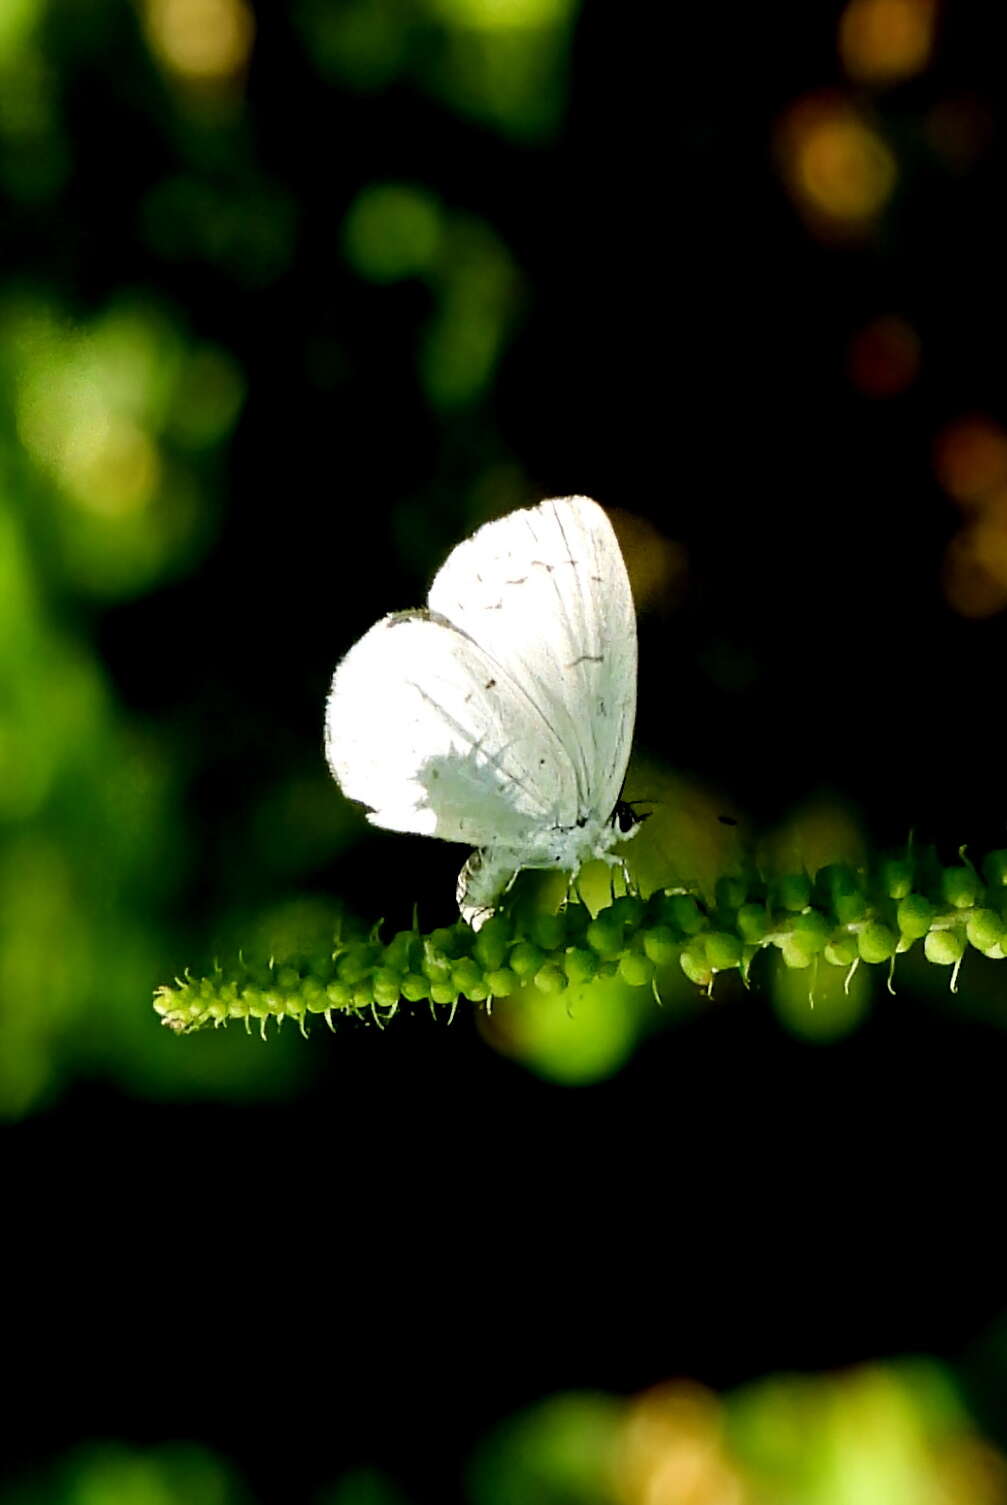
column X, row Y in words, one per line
column 482, row 882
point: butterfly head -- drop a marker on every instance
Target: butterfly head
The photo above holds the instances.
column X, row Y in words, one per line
column 626, row 820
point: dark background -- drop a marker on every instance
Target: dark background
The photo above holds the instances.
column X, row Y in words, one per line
column 372, row 1246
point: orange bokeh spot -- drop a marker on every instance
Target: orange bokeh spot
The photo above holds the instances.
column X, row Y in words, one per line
column 970, row 458
column 883, row 358
column 882, row 41
column 975, row 569
column 838, row 170
column 672, row 1451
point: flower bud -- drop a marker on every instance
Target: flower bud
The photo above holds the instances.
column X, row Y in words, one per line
column 944, row 947
column 875, row 942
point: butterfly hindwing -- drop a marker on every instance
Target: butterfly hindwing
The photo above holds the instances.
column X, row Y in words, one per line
column 424, row 729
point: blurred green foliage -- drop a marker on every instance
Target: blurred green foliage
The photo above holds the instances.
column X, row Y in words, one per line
column 116, row 416
column 113, row 1474
column 395, row 231
column 501, row 61
column 111, row 434
column 884, row 1434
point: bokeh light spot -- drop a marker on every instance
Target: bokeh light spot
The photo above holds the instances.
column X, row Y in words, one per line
column 503, row 15
column 970, row 458
column 110, row 466
column 883, row 358
column 673, row 1451
column 392, row 231
column 975, row 564
column 581, row 1035
column 821, row 1003
column 883, row 41
column 203, row 41
column 839, row 171
column 478, row 290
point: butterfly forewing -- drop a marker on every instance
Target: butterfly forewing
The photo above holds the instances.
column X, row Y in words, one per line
column 545, row 595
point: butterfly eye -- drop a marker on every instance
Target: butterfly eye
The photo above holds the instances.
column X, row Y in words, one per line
column 625, row 818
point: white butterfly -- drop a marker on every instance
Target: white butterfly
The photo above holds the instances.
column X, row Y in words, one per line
column 501, row 715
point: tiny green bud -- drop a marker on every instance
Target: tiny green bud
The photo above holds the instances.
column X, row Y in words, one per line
column 960, row 886
column 636, row 969
column 251, row 997
column 444, row 941
column 849, row 909
column 466, row 974
column 363, row 994
column 239, row 1008
column 399, row 950
column 354, row 966
column 692, row 960
column 442, row 992
column 895, row 875
column 415, row 987
column 322, row 968
column 659, row 944
column 796, row 953
column 682, row 911
column 723, row 950
column 502, row 982
column 842, row 950
column 813, row 927
column 753, row 923
column 550, row 978
column 387, row 985
column 604, row 935
column 628, row 909
column 580, row 964
column 984, row 927
column 876, row 942
column 525, row 959
column 549, row 931
column 792, row 891
column 339, row 994
column 314, row 995
column 490, row 947
column 944, row 947
column 995, row 868
column 914, row 916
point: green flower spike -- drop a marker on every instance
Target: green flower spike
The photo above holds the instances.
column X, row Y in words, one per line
column 840, row 916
